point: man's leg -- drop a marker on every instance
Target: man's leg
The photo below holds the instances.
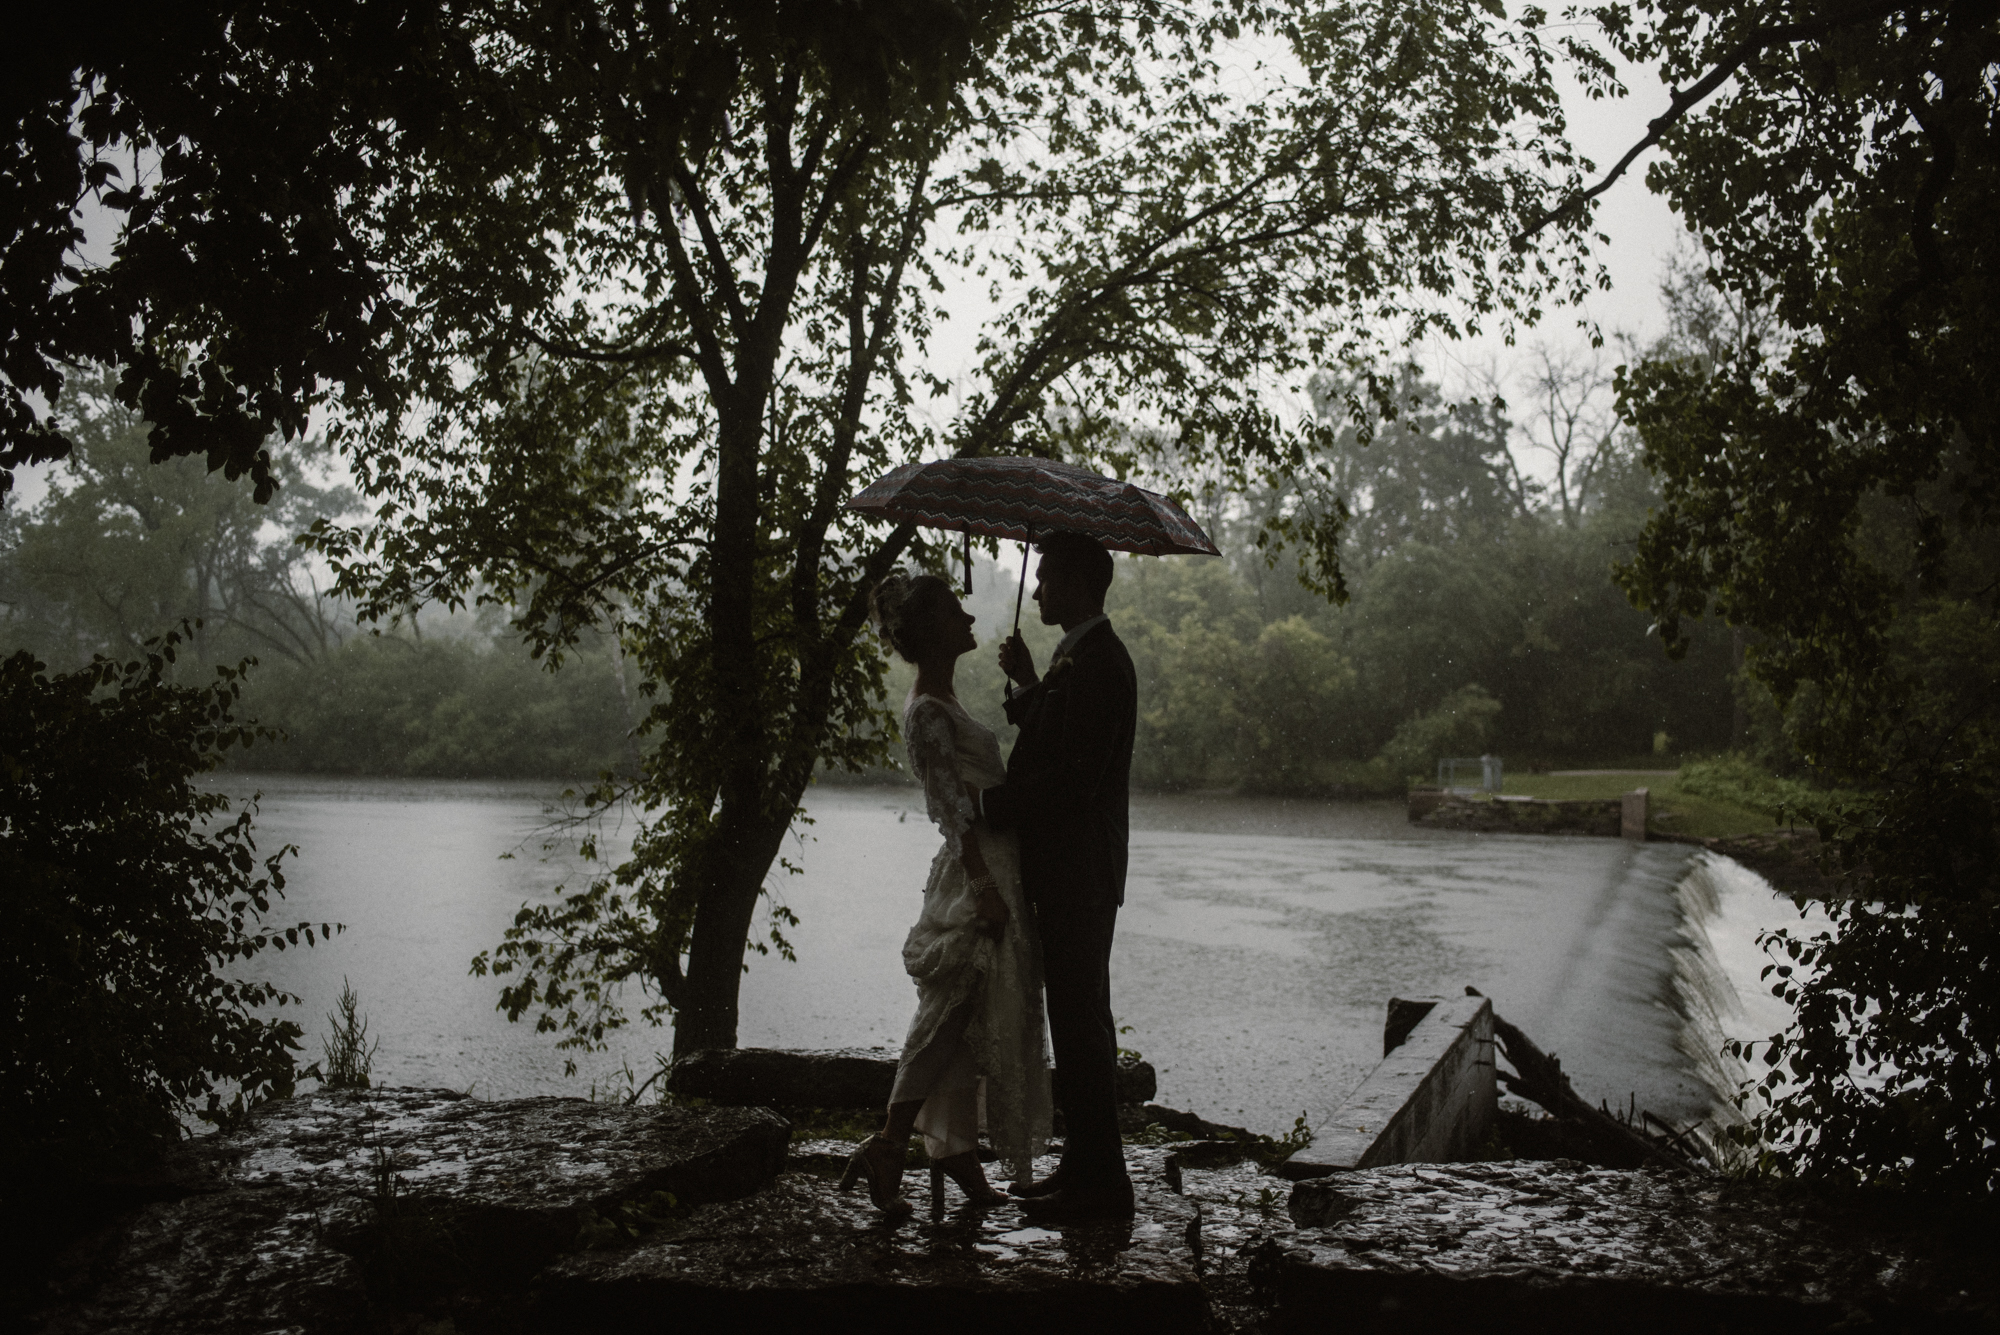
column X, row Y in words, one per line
column 1076, row 955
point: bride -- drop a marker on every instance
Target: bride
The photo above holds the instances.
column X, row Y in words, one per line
column 976, row 1049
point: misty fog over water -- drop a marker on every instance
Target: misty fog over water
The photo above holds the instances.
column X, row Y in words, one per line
column 1259, row 943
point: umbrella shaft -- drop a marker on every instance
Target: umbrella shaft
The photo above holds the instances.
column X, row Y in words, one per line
column 1023, row 589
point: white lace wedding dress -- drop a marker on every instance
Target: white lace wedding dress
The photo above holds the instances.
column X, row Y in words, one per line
column 977, row 1049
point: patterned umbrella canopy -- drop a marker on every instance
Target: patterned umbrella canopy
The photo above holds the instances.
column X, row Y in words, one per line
column 1020, row 498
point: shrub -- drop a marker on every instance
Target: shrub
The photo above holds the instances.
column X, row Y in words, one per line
column 1460, row 726
column 132, row 901
column 349, row 1057
column 1742, row 781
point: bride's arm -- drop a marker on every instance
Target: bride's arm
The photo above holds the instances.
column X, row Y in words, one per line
column 990, row 908
column 934, row 759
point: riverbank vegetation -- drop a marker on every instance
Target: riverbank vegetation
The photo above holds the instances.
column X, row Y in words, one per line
column 134, row 898
column 120, row 549
column 1681, row 801
column 1829, row 463
column 1480, row 617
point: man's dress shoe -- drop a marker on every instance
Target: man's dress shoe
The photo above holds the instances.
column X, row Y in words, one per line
column 1074, row 1205
column 1028, row 1191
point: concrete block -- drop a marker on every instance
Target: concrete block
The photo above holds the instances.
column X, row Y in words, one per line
column 1431, row 1100
column 1632, row 815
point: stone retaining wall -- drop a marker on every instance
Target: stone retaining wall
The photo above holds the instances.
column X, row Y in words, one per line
column 1517, row 815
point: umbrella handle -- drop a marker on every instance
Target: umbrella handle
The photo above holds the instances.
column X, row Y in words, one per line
column 968, row 563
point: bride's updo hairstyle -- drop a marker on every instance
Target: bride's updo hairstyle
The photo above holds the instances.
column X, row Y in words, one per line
column 904, row 610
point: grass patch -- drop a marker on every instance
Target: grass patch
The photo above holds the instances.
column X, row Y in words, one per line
column 1695, row 814
column 855, row 1124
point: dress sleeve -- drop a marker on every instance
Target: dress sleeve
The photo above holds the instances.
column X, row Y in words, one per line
column 934, row 760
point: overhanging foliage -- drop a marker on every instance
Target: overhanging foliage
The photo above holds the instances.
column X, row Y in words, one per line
column 1833, row 487
column 133, row 905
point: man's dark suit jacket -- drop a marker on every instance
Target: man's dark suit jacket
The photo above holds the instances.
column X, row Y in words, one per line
column 1069, row 775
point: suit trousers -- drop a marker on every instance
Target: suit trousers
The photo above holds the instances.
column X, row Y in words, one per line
column 1076, row 972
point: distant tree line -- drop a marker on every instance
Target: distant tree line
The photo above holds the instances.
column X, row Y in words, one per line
column 1481, row 612
column 120, row 549
column 1482, row 617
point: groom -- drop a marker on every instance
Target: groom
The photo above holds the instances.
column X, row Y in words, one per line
column 1066, row 796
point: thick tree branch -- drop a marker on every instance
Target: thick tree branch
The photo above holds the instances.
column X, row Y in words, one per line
column 687, row 290
column 1685, row 100
column 1040, row 364
column 718, row 258
column 868, row 334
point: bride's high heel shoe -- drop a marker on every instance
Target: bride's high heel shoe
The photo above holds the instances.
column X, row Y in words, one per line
column 885, row 1180
column 963, row 1169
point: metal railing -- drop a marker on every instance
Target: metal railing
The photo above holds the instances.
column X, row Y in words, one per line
column 1489, row 773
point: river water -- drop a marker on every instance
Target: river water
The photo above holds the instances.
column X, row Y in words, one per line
column 1259, row 944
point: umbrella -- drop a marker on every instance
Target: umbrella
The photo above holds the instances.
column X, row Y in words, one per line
column 1017, row 498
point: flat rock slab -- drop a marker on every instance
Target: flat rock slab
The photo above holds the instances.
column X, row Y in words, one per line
column 801, row 1255
column 800, row 1078
column 1560, row 1246
column 248, row 1262
column 324, row 1206
column 541, row 1156
column 787, row 1077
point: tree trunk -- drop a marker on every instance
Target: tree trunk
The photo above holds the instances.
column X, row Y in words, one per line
column 739, row 847
column 1739, row 718
column 706, row 1014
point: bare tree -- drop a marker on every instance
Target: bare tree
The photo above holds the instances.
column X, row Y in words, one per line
column 1574, row 421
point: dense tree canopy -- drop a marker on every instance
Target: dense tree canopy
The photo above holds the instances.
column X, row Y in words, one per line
column 230, row 147
column 730, row 339
column 1830, row 477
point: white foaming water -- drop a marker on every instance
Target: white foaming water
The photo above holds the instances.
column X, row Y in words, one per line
column 1718, row 981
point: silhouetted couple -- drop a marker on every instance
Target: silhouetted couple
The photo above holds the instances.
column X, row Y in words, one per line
column 1022, row 898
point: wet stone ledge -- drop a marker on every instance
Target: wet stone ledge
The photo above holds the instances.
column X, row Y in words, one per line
column 1562, row 1246
column 343, row 1212
column 803, row 1256
column 1516, row 815
column 419, row 1213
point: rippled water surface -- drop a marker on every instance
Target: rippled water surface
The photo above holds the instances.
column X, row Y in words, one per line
column 1259, row 943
